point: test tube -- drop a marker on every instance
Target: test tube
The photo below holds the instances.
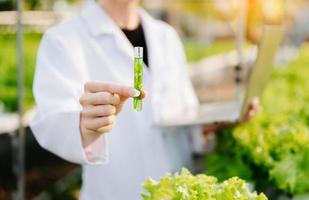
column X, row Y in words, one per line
column 138, row 77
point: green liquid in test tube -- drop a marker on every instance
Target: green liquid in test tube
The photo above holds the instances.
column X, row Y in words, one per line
column 138, row 77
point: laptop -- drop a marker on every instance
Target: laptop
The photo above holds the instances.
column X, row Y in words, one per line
column 231, row 111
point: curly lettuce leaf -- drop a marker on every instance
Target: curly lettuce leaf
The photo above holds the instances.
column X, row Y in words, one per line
column 185, row 186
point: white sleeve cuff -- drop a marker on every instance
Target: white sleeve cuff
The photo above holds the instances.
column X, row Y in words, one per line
column 97, row 152
column 59, row 133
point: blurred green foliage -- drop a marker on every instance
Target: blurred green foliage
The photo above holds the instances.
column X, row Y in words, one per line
column 29, row 4
column 204, row 9
column 8, row 69
column 6, row 5
column 196, row 50
column 273, row 148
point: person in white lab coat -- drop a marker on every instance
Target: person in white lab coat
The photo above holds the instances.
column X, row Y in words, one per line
column 83, row 90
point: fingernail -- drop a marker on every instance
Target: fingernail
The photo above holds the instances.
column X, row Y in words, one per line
column 136, row 93
column 256, row 100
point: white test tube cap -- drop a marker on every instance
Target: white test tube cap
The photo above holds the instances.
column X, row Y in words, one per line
column 138, row 52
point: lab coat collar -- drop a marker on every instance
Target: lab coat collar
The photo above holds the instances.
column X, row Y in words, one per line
column 149, row 28
column 98, row 20
column 100, row 23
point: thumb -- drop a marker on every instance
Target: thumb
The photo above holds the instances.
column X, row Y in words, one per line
column 123, row 99
column 137, row 94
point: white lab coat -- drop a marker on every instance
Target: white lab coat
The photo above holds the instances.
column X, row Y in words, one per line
column 91, row 47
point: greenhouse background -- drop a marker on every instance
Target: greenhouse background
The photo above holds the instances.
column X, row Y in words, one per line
column 220, row 37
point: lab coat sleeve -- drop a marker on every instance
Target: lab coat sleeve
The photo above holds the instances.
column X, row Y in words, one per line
column 190, row 99
column 58, row 85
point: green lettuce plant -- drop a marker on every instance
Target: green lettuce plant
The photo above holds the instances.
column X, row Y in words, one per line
column 185, row 186
column 272, row 149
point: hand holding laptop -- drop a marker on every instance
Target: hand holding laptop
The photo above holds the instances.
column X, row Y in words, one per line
column 253, row 109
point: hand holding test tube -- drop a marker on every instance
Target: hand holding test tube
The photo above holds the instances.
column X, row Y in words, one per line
column 138, row 77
